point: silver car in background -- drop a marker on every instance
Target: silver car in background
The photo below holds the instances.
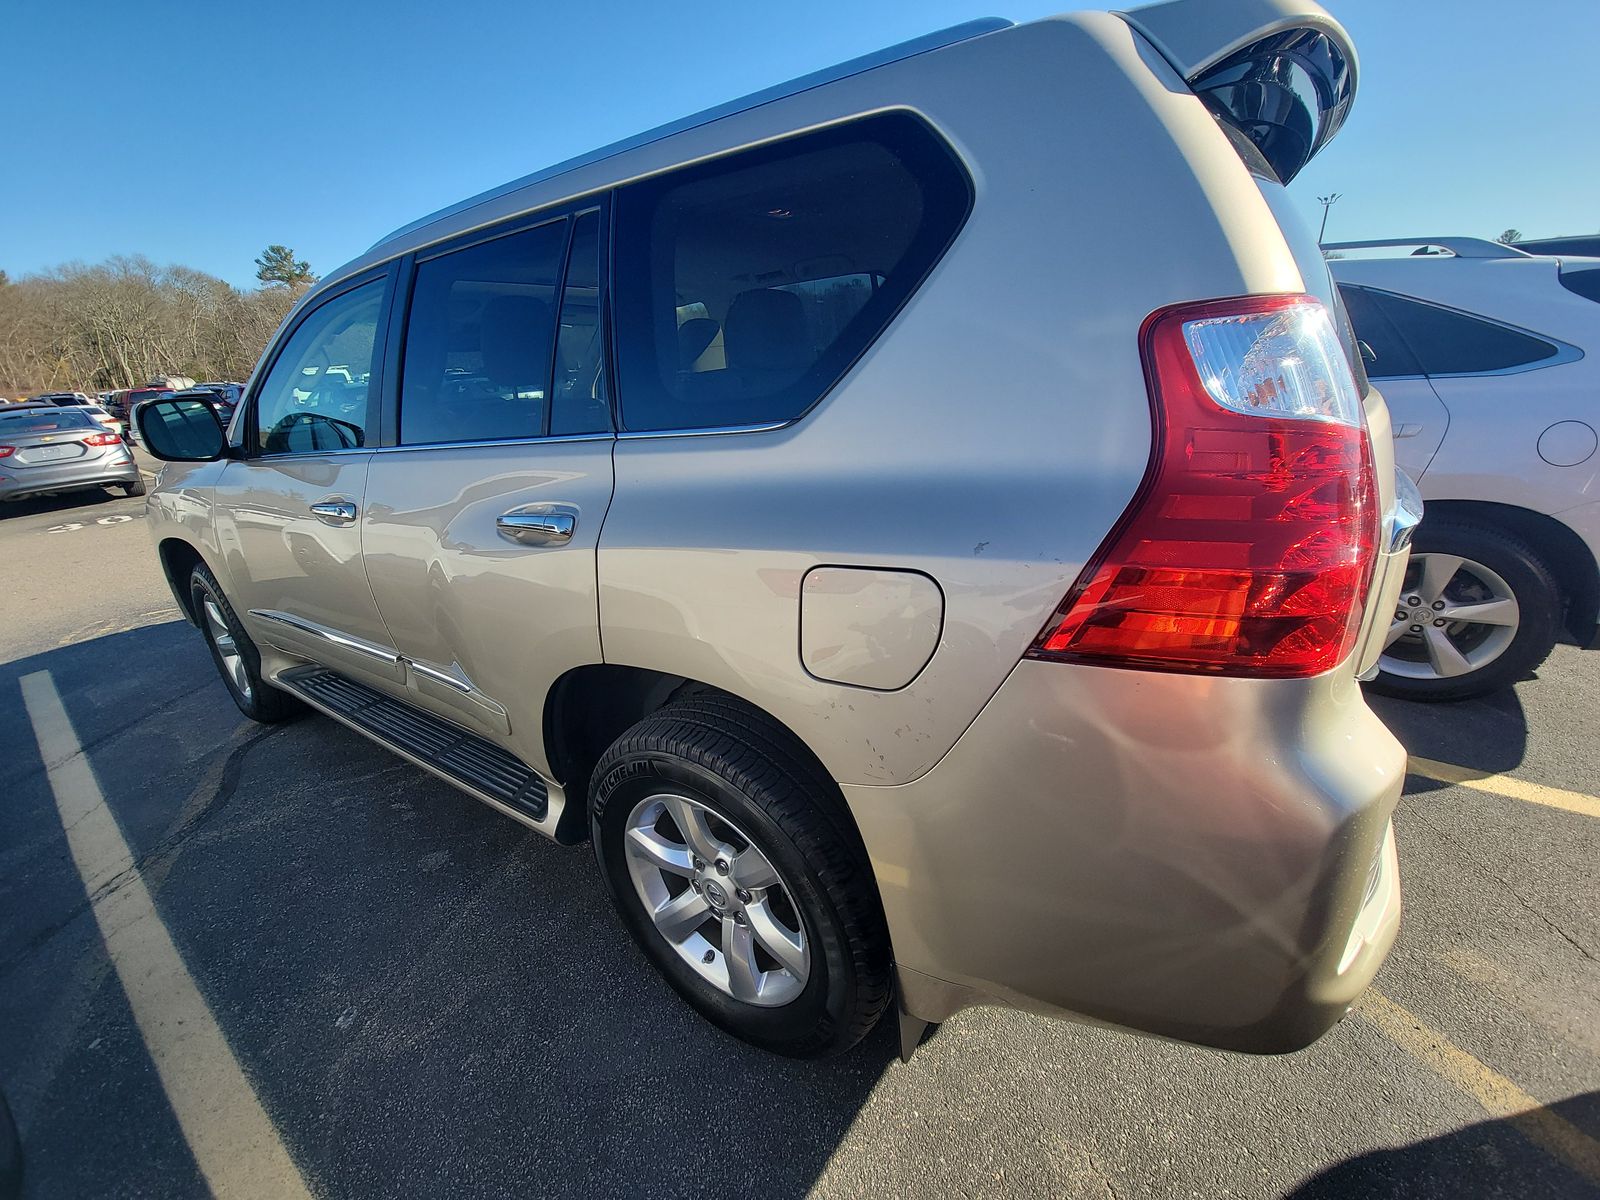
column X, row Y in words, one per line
column 918, row 603
column 49, row 448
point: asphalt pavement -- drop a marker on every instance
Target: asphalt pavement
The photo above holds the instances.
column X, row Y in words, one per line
column 425, row 999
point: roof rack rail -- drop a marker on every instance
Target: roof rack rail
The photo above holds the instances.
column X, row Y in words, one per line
column 1461, row 247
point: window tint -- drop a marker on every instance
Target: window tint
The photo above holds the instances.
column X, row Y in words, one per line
column 478, row 339
column 579, row 402
column 1391, row 357
column 318, row 394
column 1452, row 343
column 1582, row 283
column 747, row 286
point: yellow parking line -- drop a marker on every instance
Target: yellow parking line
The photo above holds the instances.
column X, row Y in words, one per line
column 1496, row 1094
column 1505, row 785
column 233, row 1140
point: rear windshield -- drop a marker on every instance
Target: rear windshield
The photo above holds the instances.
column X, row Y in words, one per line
column 12, row 424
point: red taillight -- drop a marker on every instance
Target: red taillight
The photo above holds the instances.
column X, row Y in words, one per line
column 7, row 451
column 1249, row 548
column 103, row 439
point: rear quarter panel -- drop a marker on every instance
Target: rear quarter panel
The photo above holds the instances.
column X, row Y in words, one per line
column 993, row 436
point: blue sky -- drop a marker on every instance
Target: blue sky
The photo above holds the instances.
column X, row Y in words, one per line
column 198, row 132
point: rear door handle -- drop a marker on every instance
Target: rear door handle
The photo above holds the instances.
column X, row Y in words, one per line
column 538, row 524
column 335, row 512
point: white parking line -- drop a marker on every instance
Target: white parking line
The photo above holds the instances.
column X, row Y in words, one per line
column 1496, row 1094
column 1505, row 785
column 232, row 1138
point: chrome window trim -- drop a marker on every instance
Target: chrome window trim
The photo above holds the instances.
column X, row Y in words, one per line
column 705, row 431
column 343, row 640
column 528, row 441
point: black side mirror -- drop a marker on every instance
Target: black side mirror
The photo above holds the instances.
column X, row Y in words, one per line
column 180, row 430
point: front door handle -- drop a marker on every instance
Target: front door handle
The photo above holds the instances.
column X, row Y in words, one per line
column 538, row 524
column 335, row 512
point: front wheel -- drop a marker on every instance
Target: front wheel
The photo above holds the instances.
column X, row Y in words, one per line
column 238, row 661
column 733, row 865
column 1479, row 610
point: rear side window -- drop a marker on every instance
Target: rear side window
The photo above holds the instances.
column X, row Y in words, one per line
column 479, row 339
column 579, row 401
column 1391, row 357
column 746, row 287
column 1446, row 342
column 1582, row 283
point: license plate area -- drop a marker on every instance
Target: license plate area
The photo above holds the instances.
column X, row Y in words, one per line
column 44, row 454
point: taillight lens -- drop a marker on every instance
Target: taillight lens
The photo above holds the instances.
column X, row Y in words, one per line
column 7, row 451
column 1249, row 548
column 102, row 439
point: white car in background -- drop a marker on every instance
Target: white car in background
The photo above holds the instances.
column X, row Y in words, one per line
column 1489, row 359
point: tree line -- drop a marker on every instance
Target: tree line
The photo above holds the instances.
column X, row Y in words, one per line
column 126, row 321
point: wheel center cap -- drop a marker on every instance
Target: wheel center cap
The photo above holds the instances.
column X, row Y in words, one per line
column 715, row 895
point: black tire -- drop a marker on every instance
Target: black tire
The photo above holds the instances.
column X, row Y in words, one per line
column 262, row 702
column 1539, row 611
column 136, row 488
column 746, row 767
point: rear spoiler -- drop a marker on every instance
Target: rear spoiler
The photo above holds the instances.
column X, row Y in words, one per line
column 1281, row 72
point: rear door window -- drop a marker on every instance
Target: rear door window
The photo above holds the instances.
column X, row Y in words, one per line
column 479, row 339
column 1446, row 342
column 1391, row 357
column 747, row 286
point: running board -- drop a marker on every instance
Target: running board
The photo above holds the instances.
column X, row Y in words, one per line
column 476, row 766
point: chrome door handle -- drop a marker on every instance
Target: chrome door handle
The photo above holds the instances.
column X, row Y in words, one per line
column 335, row 512
column 538, row 524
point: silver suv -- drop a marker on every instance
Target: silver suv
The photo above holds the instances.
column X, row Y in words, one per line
column 916, row 601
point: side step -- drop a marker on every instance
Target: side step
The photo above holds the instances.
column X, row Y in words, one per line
column 463, row 758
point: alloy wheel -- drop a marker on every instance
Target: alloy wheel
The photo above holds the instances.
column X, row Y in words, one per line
column 227, row 648
column 716, row 898
column 1455, row 616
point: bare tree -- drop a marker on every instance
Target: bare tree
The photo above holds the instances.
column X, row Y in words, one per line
column 1509, row 236
column 121, row 322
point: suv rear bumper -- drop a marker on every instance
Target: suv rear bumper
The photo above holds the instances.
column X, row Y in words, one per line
column 1200, row 858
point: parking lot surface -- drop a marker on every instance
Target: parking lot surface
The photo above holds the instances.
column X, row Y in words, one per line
column 280, row 961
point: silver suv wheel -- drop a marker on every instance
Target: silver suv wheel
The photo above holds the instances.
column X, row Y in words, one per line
column 227, row 648
column 1455, row 616
column 717, row 900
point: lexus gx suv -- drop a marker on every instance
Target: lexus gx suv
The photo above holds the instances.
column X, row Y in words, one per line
column 917, row 603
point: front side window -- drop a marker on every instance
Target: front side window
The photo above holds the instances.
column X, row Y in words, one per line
column 747, row 286
column 318, row 395
column 1446, row 342
column 479, row 337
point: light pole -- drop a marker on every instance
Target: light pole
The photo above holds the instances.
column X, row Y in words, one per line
column 1327, row 202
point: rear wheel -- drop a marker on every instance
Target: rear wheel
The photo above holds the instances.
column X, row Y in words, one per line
column 732, row 865
column 135, row 488
column 238, row 661
column 1479, row 610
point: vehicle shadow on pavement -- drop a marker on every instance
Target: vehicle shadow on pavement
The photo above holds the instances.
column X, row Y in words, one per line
column 1486, row 1161
column 62, row 502
column 1488, row 734
column 428, row 998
